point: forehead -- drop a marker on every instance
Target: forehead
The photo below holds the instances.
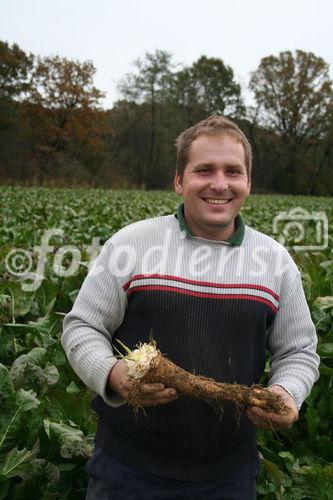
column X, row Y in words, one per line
column 222, row 147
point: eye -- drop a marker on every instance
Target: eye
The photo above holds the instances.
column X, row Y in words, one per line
column 203, row 170
column 234, row 170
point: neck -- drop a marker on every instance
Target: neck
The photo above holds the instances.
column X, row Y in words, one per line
column 211, row 232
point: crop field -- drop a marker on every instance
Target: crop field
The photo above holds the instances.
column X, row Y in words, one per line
column 46, row 423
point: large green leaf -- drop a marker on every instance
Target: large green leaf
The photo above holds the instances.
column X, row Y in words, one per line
column 10, row 424
column 16, row 302
column 28, row 369
column 38, row 477
column 71, row 439
column 18, row 462
column 26, row 400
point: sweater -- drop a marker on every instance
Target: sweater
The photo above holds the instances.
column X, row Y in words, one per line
column 214, row 308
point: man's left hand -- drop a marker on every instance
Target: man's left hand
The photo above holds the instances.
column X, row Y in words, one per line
column 271, row 421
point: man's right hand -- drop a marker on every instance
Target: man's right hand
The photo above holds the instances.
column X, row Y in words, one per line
column 150, row 394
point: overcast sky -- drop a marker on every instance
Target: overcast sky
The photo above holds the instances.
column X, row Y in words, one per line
column 112, row 33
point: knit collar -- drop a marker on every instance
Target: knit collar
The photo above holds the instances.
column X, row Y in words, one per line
column 235, row 240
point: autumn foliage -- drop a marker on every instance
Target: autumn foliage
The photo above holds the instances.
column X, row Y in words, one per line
column 55, row 131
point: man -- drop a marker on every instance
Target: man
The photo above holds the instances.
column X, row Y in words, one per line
column 215, row 293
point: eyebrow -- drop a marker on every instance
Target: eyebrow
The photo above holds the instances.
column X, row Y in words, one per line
column 229, row 165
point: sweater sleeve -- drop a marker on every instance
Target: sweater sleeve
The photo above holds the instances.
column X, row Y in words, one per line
column 97, row 313
column 292, row 344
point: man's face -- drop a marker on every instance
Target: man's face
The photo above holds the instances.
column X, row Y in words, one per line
column 214, row 186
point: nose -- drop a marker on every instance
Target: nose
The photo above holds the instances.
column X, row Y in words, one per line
column 219, row 182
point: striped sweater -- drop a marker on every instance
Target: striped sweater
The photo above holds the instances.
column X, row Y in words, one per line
column 214, row 307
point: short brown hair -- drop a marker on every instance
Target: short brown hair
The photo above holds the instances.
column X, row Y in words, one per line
column 214, row 125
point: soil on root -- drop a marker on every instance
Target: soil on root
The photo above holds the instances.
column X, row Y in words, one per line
column 194, row 386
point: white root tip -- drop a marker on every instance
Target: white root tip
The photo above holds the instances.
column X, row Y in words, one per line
column 139, row 360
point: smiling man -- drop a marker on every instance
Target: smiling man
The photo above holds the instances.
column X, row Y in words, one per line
column 221, row 295
column 214, row 185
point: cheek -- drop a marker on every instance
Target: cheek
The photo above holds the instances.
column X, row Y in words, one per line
column 242, row 189
column 246, row 191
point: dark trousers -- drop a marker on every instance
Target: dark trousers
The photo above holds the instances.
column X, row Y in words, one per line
column 112, row 480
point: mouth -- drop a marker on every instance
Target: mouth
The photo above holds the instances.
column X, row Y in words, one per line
column 217, row 201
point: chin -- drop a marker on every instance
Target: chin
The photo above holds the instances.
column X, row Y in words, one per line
column 218, row 223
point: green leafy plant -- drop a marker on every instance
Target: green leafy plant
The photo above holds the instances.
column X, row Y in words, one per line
column 46, row 423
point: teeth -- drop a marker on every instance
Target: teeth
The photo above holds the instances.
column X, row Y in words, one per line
column 217, row 201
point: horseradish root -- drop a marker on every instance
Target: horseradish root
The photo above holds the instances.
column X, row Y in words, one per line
column 147, row 365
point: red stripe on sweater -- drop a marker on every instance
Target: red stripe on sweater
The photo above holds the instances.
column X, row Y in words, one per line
column 201, row 283
column 202, row 294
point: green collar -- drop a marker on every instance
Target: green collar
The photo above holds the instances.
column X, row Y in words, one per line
column 235, row 240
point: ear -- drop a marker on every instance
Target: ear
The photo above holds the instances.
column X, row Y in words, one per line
column 178, row 183
column 248, row 188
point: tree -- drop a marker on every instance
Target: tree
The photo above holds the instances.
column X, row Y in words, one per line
column 61, row 88
column 15, row 77
column 294, row 96
column 62, row 101
column 51, row 127
column 60, row 83
column 294, row 93
column 148, row 87
column 206, row 87
column 15, row 71
column 152, row 79
column 166, row 101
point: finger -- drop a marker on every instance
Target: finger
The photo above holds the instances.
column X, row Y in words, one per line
column 259, row 418
column 257, row 421
column 268, row 421
column 279, row 421
column 264, row 416
column 264, row 425
column 156, row 396
column 162, row 397
column 151, row 388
